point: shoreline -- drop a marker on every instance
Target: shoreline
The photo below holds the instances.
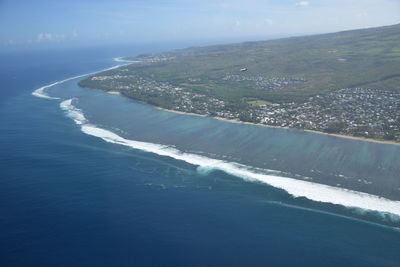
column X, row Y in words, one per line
column 113, row 92
column 346, row 196
column 360, row 196
column 279, row 127
column 272, row 183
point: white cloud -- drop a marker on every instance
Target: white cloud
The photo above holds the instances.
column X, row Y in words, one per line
column 47, row 37
column 303, row 3
column 44, row 37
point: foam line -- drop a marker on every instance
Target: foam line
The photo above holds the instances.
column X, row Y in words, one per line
column 296, row 188
column 41, row 92
column 74, row 113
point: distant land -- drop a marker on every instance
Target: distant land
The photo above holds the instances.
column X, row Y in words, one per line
column 345, row 83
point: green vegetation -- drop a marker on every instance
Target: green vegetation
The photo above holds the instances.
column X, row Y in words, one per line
column 367, row 58
column 353, row 77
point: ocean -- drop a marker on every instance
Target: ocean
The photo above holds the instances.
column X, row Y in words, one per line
column 92, row 179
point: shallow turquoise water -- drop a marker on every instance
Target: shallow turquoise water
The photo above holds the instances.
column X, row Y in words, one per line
column 70, row 199
column 362, row 166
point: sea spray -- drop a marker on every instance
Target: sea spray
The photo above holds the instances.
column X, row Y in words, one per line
column 296, row 188
column 73, row 112
column 41, row 92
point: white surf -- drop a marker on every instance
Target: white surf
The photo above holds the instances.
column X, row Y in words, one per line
column 41, row 92
column 296, row 188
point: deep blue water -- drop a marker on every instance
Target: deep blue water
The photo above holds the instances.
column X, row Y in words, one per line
column 71, row 199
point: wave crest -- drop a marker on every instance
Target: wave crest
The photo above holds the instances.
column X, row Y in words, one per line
column 296, row 188
column 41, row 92
column 73, row 112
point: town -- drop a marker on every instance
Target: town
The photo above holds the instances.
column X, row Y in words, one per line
column 363, row 112
column 264, row 83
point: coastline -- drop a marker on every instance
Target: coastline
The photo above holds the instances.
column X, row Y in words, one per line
column 236, row 170
column 278, row 127
column 312, row 190
column 114, row 92
column 146, row 188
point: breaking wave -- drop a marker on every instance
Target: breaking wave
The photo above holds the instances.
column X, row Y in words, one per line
column 296, row 188
column 41, row 92
column 72, row 112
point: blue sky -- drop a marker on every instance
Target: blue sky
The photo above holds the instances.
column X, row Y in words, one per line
column 57, row 22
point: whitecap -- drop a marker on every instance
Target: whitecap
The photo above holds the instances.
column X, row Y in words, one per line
column 73, row 112
column 41, row 92
column 296, row 188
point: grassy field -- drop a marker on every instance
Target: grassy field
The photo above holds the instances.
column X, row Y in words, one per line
column 257, row 103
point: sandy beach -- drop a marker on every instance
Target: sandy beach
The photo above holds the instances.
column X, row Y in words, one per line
column 286, row 128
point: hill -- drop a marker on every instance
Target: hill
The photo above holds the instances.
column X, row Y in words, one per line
column 352, row 77
column 357, row 58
